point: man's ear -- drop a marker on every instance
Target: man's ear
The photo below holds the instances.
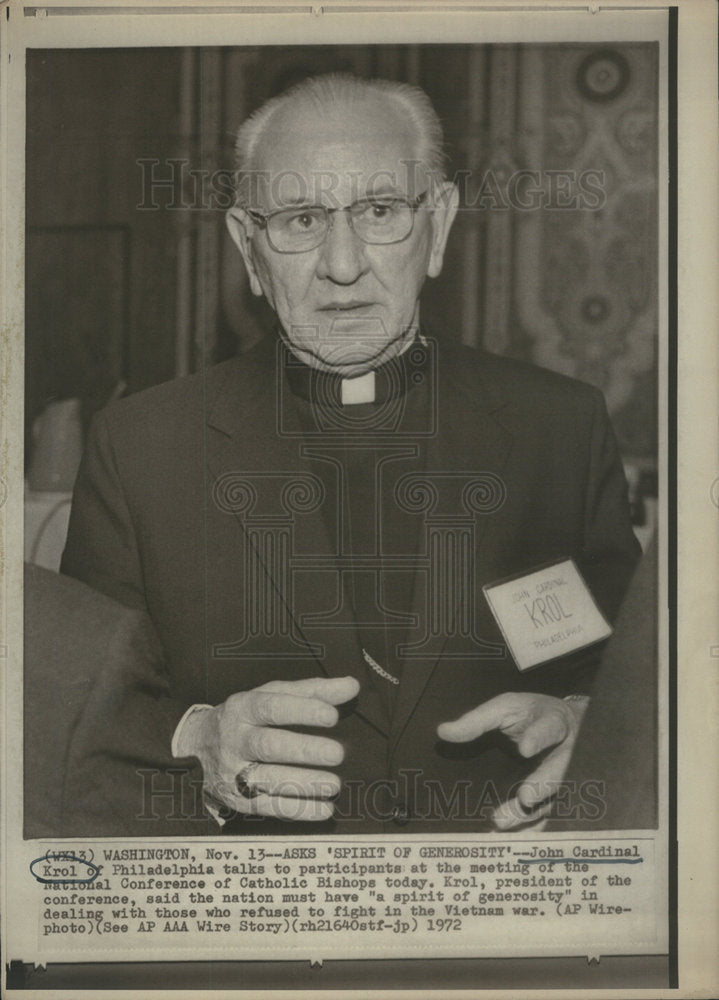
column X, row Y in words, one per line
column 445, row 199
column 241, row 226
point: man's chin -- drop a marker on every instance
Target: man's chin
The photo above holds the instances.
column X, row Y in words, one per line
column 350, row 355
column 352, row 369
column 349, row 362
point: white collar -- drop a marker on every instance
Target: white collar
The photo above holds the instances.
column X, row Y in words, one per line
column 358, row 390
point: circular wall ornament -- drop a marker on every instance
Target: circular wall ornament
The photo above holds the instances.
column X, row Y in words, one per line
column 595, row 309
column 603, row 75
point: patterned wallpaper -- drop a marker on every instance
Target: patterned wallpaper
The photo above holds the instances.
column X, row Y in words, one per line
column 586, row 276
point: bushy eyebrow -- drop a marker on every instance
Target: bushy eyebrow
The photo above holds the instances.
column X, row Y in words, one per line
column 385, row 192
column 296, row 203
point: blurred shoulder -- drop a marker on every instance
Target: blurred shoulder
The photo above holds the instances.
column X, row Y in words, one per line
column 180, row 399
column 181, row 406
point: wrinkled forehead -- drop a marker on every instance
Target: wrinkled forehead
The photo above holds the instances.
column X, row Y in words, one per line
column 334, row 154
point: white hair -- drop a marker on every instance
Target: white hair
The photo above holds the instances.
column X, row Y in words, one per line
column 345, row 89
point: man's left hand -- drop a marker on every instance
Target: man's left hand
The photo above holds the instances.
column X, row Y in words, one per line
column 535, row 723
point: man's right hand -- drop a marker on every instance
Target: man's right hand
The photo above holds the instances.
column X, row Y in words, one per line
column 286, row 777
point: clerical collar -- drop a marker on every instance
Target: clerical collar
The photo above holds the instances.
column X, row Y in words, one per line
column 391, row 380
column 362, row 389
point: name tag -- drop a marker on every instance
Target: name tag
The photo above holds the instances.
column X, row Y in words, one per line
column 546, row 613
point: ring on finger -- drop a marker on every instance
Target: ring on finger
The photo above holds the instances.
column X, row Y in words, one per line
column 243, row 781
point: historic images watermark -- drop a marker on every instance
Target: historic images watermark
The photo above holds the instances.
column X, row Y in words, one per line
column 371, row 801
column 173, row 184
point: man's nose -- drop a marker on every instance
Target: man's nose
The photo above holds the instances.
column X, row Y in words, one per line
column 342, row 258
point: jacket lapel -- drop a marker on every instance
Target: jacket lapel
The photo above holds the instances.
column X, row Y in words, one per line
column 471, row 445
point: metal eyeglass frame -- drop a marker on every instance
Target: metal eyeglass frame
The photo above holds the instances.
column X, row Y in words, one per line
column 263, row 220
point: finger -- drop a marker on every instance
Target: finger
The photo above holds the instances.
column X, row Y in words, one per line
column 332, row 690
column 546, row 778
column 510, row 815
column 504, row 711
column 547, row 730
column 294, row 782
column 272, row 708
column 283, row 747
column 279, row 807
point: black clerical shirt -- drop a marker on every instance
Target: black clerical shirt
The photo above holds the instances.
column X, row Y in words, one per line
column 370, row 445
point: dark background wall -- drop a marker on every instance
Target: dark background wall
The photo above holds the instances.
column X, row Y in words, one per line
column 136, row 281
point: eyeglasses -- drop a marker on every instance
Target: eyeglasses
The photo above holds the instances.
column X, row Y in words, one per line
column 378, row 221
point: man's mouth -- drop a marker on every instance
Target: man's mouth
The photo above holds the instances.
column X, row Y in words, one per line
column 354, row 305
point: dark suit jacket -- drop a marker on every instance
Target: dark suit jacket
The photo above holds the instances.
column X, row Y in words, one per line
column 163, row 521
column 93, row 678
column 611, row 782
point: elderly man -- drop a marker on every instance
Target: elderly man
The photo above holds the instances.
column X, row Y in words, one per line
column 310, row 526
